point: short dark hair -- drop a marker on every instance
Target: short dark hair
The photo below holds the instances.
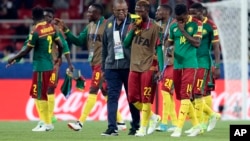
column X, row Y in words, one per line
column 144, row 3
column 205, row 11
column 50, row 10
column 167, row 7
column 98, row 7
column 197, row 6
column 37, row 13
column 180, row 9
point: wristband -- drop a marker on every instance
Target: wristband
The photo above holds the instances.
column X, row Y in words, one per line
column 66, row 31
column 217, row 66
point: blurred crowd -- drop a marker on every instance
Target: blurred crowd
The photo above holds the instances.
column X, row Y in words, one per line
column 14, row 34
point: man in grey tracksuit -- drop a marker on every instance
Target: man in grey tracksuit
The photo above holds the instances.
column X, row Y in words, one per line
column 116, row 67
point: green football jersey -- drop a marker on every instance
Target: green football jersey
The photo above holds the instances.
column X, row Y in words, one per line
column 185, row 54
column 209, row 36
column 41, row 38
column 64, row 43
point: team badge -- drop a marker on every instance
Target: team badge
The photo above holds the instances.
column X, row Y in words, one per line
column 30, row 36
column 109, row 25
column 175, row 29
column 204, row 31
column 190, row 29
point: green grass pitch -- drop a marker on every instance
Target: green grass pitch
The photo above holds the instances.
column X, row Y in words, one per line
column 21, row 131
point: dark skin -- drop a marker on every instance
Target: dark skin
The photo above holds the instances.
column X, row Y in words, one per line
column 199, row 14
column 25, row 51
column 93, row 16
column 143, row 13
column 120, row 11
column 181, row 20
column 162, row 14
column 48, row 16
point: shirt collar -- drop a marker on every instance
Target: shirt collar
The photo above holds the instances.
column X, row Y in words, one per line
column 189, row 19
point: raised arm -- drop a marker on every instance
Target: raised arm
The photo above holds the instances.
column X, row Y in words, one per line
column 195, row 40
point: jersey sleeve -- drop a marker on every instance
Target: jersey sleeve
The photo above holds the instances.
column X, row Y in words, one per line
column 80, row 40
column 33, row 37
column 215, row 35
column 198, row 32
column 64, row 43
column 56, row 36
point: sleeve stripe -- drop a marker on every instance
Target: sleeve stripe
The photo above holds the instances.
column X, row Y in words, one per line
column 200, row 36
column 66, row 52
column 215, row 41
column 30, row 45
column 57, row 38
column 170, row 39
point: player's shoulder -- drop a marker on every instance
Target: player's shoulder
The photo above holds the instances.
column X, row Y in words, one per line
column 173, row 23
column 211, row 23
column 195, row 20
column 44, row 28
column 157, row 22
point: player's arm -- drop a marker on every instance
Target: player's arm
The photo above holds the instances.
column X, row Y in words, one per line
column 65, row 50
column 195, row 40
column 159, row 51
column 30, row 45
column 130, row 35
column 170, row 42
column 216, row 48
column 23, row 47
column 78, row 41
column 59, row 44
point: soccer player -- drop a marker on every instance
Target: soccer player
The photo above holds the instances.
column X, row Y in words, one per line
column 209, row 39
column 92, row 36
column 145, row 44
column 185, row 34
column 49, row 16
column 163, row 17
column 41, row 38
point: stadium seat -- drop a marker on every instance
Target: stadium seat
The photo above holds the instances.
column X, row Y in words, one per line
column 22, row 13
column 74, row 4
column 4, row 44
column 19, row 45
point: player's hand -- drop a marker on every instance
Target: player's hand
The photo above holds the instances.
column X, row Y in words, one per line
column 71, row 67
column 169, row 51
column 181, row 25
column 156, row 76
column 216, row 73
column 58, row 61
column 11, row 61
column 60, row 23
column 133, row 26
